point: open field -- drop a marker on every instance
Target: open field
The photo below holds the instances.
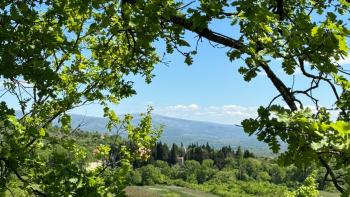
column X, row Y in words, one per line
column 161, row 190
column 175, row 191
column 328, row 194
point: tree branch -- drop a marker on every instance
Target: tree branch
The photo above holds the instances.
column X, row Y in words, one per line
column 331, row 173
column 236, row 44
column 207, row 33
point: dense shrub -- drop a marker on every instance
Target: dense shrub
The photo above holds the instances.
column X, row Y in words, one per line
column 225, row 177
column 151, row 175
column 134, row 177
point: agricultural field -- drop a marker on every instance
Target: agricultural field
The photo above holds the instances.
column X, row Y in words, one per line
column 162, row 190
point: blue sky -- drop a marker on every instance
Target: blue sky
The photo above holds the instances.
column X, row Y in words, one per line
column 209, row 90
column 196, row 91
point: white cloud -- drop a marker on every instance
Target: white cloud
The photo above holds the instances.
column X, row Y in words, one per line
column 226, row 114
column 190, row 107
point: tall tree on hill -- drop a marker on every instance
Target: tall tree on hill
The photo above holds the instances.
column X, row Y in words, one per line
column 239, row 152
column 219, row 159
column 182, row 150
column 240, row 162
column 162, row 151
column 227, row 150
column 247, row 154
column 174, row 153
column 158, row 150
column 198, row 154
column 207, row 146
column 164, row 155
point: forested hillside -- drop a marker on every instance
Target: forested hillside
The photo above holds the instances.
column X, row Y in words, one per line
column 226, row 172
column 222, row 171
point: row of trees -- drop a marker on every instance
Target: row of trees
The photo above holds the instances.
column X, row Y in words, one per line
column 245, row 176
column 161, row 151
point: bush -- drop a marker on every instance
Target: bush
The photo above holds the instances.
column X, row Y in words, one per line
column 134, row 178
column 151, row 175
column 263, row 176
column 262, row 189
column 163, row 167
column 225, row 177
column 206, row 171
column 309, row 189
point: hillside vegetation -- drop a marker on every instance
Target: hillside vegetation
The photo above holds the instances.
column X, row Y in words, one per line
column 223, row 172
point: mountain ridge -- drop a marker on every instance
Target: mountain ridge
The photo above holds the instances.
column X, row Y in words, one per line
column 177, row 130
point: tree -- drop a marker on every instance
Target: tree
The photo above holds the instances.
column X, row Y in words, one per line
column 134, row 177
column 165, row 152
column 174, row 152
column 240, row 163
column 190, row 171
column 247, row 154
column 182, row 150
column 252, row 167
column 309, row 37
column 151, row 175
column 220, row 159
column 56, row 56
column 164, row 167
column 206, row 171
column 239, row 153
column 309, row 189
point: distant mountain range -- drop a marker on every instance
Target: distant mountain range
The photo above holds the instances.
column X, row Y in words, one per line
column 186, row 131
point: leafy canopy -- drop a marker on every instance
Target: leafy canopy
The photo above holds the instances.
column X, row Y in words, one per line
column 306, row 37
column 54, row 56
column 76, row 52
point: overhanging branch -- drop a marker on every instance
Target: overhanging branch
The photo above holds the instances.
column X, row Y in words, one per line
column 236, row 44
column 207, row 33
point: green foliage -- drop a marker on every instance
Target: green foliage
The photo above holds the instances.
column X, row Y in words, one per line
column 174, row 152
column 302, row 36
column 134, row 177
column 164, row 167
column 222, row 177
column 55, row 56
column 206, row 171
column 243, row 176
column 70, row 53
column 151, row 175
column 309, row 189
